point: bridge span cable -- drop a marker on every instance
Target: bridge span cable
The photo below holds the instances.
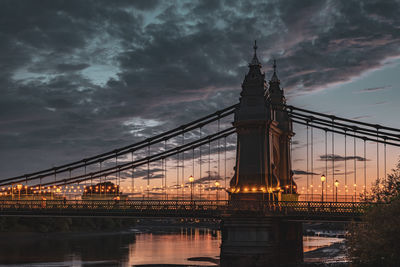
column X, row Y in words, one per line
column 153, row 158
column 341, row 126
column 291, row 108
column 129, row 148
column 340, row 130
column 213, row 136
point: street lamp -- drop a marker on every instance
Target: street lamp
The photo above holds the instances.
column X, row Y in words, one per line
column 216, row 185
column 191, row 179
column 323, row 179
column 336, row 185
column 19, row 187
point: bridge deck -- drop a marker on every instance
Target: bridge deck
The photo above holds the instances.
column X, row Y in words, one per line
column 299, row 210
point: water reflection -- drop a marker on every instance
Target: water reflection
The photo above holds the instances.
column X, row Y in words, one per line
column 175, row 248
column 70, row 249
column 171, row 246
column 314, row 242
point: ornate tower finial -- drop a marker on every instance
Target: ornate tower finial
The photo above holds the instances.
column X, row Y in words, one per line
column 254, row 61
column 274, row 78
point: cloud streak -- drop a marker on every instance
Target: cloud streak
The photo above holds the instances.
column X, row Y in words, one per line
column 331, row 157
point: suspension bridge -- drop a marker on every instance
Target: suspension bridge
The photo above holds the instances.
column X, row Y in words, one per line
column 233, row 162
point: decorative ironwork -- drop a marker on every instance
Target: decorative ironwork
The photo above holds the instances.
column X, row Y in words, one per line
column 291, row 210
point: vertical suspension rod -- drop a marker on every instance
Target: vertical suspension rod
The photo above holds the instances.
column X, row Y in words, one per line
column 209, row 169
column 183, row 167
column 365, row 167
column 200, row 167
column 377, row 153
column 326, row 164
column 355, row 169
column 308, row 171
column 333, row 159
column 225, row 165
column 345, row 165
column 148, row 172
column 312, row 163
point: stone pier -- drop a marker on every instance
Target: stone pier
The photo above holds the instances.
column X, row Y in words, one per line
column 260, row 241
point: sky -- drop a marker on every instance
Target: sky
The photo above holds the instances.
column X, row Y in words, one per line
column 78, row 78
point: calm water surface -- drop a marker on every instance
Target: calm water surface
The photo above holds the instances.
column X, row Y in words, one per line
column 119, row 249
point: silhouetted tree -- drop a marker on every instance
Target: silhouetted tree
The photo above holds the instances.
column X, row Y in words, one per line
column 376, row 240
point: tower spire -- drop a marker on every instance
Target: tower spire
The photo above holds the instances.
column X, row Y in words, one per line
column 254, row 61
column 274, row 78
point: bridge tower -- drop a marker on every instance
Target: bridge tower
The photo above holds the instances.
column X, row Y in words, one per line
column 263, row 131
column 262, row 173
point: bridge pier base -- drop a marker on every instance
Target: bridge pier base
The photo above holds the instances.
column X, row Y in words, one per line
column 260, row 241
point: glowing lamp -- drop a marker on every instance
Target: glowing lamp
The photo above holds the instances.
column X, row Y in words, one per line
column 336, row 183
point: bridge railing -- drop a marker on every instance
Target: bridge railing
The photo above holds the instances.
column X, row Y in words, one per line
column 185, row 207
column 90, row 206
column 313, row 208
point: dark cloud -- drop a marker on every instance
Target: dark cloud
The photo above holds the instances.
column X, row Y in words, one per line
column 330, row 157
column 82, row 77
column 360, row 117
column 301, row 172
column 374, row 89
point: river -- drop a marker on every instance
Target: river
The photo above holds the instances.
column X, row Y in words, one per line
column 130, row 248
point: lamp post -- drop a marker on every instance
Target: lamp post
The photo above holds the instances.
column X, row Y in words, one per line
column 191, row 179
column 323, row 179
column 19, row 187
column 336, row 186
column 217, row 185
